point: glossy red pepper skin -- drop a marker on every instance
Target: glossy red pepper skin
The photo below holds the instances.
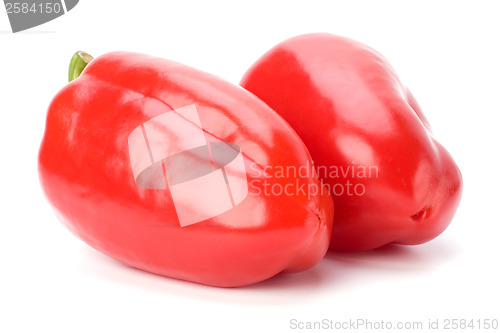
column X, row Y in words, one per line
column 347, row 104
column 85, row 172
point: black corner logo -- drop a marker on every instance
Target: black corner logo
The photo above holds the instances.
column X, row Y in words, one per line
column 26, row 14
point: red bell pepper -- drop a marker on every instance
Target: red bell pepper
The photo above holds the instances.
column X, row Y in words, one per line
column 391, row 181
column 163, row 167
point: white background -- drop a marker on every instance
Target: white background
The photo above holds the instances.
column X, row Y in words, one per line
column 447, row 52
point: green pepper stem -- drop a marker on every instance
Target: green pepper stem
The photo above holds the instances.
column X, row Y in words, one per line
column 79, row 61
